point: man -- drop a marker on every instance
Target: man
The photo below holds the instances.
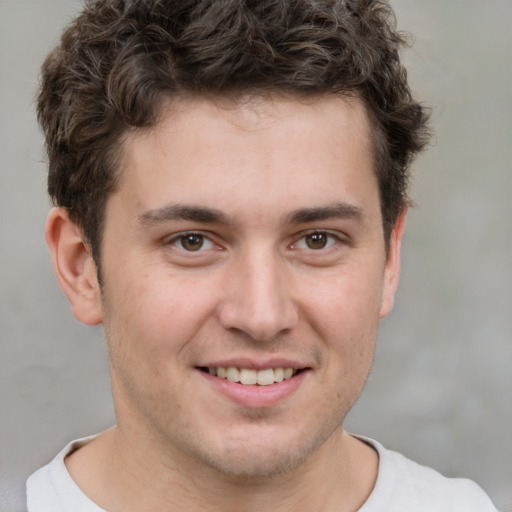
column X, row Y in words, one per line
column 230, row 181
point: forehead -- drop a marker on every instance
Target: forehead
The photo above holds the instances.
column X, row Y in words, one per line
column 227, row 153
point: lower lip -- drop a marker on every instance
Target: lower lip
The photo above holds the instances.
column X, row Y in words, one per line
column 256, row 396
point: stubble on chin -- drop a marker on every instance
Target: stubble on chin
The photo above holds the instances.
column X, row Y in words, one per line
column 251, row 460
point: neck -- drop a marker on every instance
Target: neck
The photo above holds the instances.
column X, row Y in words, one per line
column 119, row 474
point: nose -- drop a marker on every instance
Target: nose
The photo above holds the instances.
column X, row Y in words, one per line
column 257, row 298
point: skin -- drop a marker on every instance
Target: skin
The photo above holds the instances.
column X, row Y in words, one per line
column 253, row 180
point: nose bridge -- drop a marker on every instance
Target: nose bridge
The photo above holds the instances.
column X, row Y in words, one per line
column 257, row 299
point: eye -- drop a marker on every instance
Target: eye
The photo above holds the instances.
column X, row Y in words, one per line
column 191, row 242
column 316, row 241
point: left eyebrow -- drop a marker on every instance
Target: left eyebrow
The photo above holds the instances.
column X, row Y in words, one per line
column 315, row 214
column 182, row 212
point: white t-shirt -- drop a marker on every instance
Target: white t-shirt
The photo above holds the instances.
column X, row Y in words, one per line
column 402, row 486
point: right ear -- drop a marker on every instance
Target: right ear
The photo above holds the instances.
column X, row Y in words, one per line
column 74, row 266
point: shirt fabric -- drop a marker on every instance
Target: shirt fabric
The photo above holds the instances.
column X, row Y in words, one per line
column 402, row 486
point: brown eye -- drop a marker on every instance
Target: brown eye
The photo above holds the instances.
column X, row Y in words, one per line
column 316, row 240
column 192, row 242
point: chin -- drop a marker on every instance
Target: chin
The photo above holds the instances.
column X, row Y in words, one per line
column 256, row 457
column 255, row 467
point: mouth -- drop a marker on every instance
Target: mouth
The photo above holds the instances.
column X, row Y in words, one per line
column 252, row 377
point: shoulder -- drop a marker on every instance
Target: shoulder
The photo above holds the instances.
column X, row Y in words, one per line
column 51, row 488
column 404, row 485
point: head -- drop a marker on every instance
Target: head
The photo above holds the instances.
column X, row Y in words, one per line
column 239, row 170
column 120, row 60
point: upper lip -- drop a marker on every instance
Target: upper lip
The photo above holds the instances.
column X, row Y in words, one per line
column 254, row 364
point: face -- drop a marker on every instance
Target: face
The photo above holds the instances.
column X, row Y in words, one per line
column 244, row 274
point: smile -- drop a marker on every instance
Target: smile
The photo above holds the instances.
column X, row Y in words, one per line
column 251, row 377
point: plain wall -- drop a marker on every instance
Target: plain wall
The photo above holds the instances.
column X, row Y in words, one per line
column 441, row 388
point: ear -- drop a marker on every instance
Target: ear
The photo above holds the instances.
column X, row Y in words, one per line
column 392, row 268
column 74, row 266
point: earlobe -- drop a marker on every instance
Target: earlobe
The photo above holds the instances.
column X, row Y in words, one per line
column 74, row 266
column 392, row 268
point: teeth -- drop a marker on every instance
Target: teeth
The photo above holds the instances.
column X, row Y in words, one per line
column 266, row 377
column 233, row 374
column 288, row 372
column 248, row 377
column 251, row 377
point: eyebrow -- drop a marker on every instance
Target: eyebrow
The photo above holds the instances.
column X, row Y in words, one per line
column 193, row 213
column 337, row 211
column 182, row 212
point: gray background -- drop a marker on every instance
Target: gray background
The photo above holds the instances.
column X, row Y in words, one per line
column 441, row 388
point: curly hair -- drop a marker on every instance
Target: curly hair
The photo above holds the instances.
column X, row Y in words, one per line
column 119, row 59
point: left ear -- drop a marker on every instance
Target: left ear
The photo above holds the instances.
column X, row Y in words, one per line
column 392, row 268
column 74, row 266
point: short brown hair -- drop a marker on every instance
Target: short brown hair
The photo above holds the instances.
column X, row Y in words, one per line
column 119, row 59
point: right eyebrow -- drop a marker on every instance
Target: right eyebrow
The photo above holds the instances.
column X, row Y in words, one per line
column 340, row 210
column 182, row 212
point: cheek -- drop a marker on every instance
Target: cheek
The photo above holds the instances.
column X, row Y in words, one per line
column 345, row 305
column 150, row 326
column 152, row 314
